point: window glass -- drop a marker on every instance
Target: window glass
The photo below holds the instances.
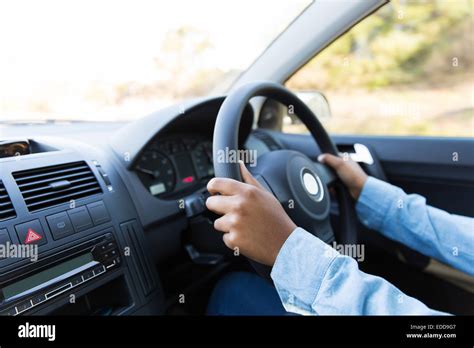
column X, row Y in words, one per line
column 405, row 70
column 115, row 61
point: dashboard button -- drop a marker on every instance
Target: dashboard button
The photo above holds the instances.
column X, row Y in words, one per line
column 38, row 299
column 31, row 232
column 98, row 212
column 80, row 218
column 87, row 275
column 4, row 238
column 76, row 280
column 24, row 306
column 110, row 255
column 107, row 246
column 60, row 225
column 99, row 270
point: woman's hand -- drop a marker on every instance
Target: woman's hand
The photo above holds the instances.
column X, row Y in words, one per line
column 348, row 171
column 253, row 220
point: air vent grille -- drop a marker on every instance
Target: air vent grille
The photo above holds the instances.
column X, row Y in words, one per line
column 54, row 185
column 6, row 207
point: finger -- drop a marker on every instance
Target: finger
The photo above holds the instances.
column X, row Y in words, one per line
column 222, row 224
column 220, row 204
column 224, row 186
column 334, row 162
column 229, row 240
column 247, row 176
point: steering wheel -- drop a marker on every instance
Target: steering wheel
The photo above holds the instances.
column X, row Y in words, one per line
column 299, row 184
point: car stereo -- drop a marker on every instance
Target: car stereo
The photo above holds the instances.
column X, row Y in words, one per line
column 57, row 274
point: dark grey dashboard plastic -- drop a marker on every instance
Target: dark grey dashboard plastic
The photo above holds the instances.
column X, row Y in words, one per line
column 191, row 116
column 118, row 202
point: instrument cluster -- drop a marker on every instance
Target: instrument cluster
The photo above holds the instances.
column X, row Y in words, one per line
column 174, row 167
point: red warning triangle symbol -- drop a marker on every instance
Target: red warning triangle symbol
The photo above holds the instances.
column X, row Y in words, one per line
column 32, row 236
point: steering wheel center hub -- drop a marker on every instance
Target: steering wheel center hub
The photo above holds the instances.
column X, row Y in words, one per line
column 312, row 184
column 305, row 186
column 296, row 182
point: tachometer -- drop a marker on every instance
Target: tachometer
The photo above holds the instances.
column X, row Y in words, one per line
column 156, row 172
column 202, row 156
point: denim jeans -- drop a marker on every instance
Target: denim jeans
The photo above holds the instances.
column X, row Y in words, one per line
column 245, row 293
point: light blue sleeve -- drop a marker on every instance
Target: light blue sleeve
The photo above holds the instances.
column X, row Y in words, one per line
column 407, row 218
column 313, row 278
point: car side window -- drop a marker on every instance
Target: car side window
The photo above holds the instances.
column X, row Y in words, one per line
column 407, row 69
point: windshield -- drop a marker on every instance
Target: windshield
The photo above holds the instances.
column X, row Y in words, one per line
column 119, row 60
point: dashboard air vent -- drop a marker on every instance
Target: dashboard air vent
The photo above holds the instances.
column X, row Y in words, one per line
column 6, row 207
column 54, row 185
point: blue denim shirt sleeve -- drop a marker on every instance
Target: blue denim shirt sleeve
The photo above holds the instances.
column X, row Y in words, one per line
column 405, row 218
column 313, row 278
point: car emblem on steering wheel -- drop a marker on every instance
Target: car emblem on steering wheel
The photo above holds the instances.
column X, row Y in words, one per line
column 312, row 184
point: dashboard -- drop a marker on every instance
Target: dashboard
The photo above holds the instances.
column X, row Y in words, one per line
column 80, row 199
column 173, row 167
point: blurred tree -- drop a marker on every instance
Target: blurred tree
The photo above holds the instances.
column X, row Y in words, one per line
column 182, row 66
column 398, row 44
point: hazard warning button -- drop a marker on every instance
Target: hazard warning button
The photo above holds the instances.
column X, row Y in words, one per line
column 31, row 232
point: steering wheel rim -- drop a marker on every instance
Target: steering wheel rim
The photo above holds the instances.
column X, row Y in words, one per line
column 226, row 138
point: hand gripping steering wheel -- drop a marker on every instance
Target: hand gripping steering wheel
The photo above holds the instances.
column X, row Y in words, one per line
column 299, row 184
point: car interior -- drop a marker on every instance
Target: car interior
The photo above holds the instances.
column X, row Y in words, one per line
column 118, row 212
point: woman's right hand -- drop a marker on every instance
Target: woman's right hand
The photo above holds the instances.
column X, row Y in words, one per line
column 350, row 173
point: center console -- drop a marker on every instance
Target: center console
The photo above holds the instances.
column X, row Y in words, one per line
column 70, row 238
column 32, row 285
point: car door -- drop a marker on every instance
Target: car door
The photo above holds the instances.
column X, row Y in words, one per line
column 400, row 88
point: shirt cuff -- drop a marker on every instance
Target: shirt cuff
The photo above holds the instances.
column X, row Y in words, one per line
column 374, row 202
column 300, row 268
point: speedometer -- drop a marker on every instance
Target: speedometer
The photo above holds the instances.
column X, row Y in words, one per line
column 156, row 172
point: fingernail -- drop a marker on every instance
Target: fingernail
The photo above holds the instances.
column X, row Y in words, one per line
column 320, row 158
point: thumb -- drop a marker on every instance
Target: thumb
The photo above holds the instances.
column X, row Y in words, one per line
column 335, row 162
column 247, row 176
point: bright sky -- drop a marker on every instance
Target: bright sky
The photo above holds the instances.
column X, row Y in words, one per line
column 81, row 41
